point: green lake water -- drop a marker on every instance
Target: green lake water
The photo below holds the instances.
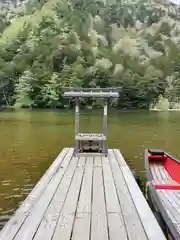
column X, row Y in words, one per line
column 30, row 141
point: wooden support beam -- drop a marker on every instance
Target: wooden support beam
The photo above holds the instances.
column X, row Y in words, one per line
column 105, row 127
column 76, row 123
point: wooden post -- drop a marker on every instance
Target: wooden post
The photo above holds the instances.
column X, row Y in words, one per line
column 105, row 127
column 76, row 123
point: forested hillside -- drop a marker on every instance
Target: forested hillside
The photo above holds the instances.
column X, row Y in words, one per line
column 48, row 44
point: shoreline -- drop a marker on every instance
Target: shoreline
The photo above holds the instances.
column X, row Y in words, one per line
column 161, row 110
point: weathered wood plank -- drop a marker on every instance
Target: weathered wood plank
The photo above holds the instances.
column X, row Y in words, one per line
column 119, row 157
column 167, row 206
column 99, row 219
column 115, row 219
column 84, row 204
column 155, row 176
column 14, row 224
column 50, row 218
column 171, row 203
column 66, row 219
column 152, row 229
column 166, row 177
column 177, row 227
column 133, row 224
column 112, row 203
column 97, row 161
column 163, row 173
column 156, row 180
column 30, row 225
column 81, row 229
column 116, row 227
column 153, row 172
column 177, row 193
column 90, row 137
column 81, row 162
column 174, row 199
column 158, row 174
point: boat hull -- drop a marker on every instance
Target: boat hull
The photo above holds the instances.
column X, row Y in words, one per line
column 163, row 184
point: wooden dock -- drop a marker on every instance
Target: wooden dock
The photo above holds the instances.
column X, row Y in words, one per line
column 87, row 197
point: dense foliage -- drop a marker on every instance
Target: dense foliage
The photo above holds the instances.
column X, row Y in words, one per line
column 48, row 44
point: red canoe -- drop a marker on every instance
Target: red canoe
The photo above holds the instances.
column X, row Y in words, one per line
column 163, row 176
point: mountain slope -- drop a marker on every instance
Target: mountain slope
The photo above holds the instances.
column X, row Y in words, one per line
column 133, row 44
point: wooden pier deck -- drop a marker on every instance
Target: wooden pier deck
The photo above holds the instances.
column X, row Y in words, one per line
column 89, row 197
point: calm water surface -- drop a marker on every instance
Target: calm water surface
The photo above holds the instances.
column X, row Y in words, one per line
column 30, row 141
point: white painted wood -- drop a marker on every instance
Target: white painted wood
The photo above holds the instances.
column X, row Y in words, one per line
column 177, row 227
column 171, row 195
column 168, row 207
column 92, row 154
column 163, row 173
column 66, row 219
column 153, row 172
column 167, row 178
column 30, row 225
column 97, row 161
column 119, row 157
column 156, row 180
column 51, row 216
column 105, row 110
column 152, row 229
column 81, row 162
column 171, row 203
column 13, row 225
column 177, row 193
column 92, row 137
column 81, row 230
column 84, row 204
column 64, row 227
column 77, row 109
column 112, row 203
column 159, row 176
column 116, row 227
column 115, row 219
column 99, row 219
column 133, row 223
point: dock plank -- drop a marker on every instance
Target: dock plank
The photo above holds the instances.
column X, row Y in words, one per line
column 116, row 226
column 99, row 219
column 31, row 224
column 119, row 158
column 81, row 162
column 133, row 224
column 97, row 161
column 112, row 203
column 50, row 218
column 65, row 222
column 17, row 220
column 115, row 219
column 84, row 204
column 81, row 229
